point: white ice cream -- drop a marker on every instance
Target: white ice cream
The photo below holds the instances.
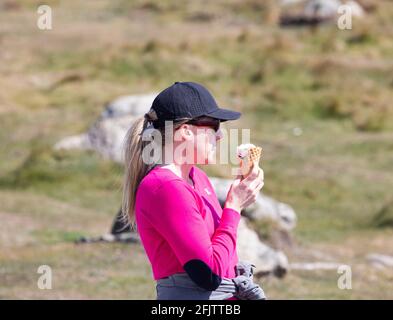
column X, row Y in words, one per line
column 242, row 150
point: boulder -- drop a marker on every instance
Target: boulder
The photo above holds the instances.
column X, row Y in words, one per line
column 311, row 266
column 380, row 260
column 80, row 141
column 356, row 9
column 266, row 260
column 107, row 134
column 322, row 8
column 264, row 208
column 315, row 12
column 328, row 9
column 132, row 105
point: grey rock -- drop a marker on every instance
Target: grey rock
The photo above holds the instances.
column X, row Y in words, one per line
column 266, row 259
column 290, row 2
column 311, row 266
column 329, row 8
column 80, row 141
column 106, row 135
column 380, row 260
column 356, row 9
column 132, row 105
column 264, row 208
column 322, row 8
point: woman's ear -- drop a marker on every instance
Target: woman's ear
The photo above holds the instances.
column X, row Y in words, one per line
column 184, row 132
column 187, row 132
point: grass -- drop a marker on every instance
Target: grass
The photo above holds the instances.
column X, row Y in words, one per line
column 335, row 86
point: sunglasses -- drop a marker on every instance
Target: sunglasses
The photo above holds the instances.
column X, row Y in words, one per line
column 206, row 122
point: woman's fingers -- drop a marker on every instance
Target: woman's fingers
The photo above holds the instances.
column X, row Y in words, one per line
column 259, row 186
column 262, row 173
column 245, row 192
column 249, row 202
column 253, row 174
column 254, row 187
column 256, row 181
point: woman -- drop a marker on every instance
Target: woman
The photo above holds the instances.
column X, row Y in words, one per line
column 189, row 239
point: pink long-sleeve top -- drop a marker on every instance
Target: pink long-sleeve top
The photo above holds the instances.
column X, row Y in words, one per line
column 184, row 229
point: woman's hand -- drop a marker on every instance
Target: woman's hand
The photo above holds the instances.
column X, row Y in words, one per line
column 244, row 192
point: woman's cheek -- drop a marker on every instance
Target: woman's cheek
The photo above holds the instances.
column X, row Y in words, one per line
column 207, row 152
column 205, row 148
column 211, row 148
column 212, row 155
column 200, row 151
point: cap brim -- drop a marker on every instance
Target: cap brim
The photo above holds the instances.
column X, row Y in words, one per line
column 224, row 114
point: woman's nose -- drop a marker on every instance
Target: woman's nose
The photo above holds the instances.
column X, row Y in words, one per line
column 219, row 135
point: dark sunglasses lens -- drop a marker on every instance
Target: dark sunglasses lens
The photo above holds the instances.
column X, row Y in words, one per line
column 217, row 127
column 213, row 123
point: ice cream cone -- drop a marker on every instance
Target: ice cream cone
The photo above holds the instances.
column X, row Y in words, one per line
column 248, row 157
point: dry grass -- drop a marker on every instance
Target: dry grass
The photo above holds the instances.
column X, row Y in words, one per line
column 336, row 86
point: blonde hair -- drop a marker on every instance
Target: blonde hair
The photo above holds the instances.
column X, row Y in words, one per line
column 135, row 168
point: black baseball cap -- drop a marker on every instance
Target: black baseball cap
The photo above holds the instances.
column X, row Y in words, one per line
column 188, row 100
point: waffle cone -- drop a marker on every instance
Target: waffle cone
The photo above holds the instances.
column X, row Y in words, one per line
column 253, row 157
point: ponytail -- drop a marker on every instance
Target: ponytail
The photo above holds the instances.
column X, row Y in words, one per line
column 135, row 168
